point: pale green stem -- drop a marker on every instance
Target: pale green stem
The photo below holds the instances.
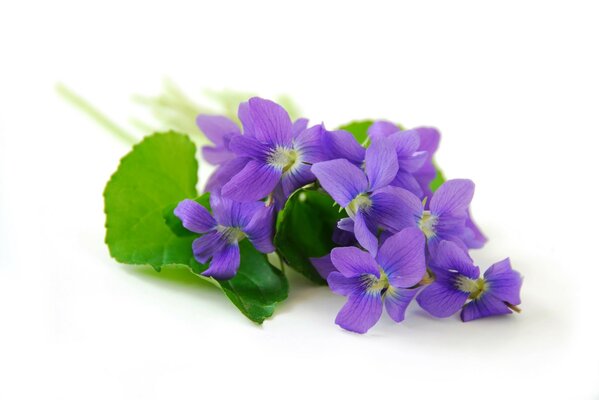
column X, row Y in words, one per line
column 94, row 113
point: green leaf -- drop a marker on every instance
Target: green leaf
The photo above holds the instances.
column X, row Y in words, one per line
column 305, row 229
column 159, row 172
column 139, row 201
column 257, row 287
column 359, row 129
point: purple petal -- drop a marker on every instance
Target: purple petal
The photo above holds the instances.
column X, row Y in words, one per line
column 414, row 162
column 323, row 265
column 255, row 181
column 360, row 312
column 243, row 113
column 381, row 164
column 407, row 181
column 194, row 216
column 295, row 178
column 397, row 300
column 298, row 126
column 364, row 228
column 351, row 261
column 473, row 236
column 271, row 122
column 441, row 300
column 228, row 212
column 484, row 306
column 450, row 256
column 216, row 127
column 217, row 155
column 309, row 143
column 342, row 144
column 207, row 245
column 402, row 258
column 260, row 229
column 406, row 143
column 429, row 142
column 396, row 208
column 453, row 197
column 346, row 224
column 341, row 179
column 504, row 283
column 225, row 263
column 344, row 286
column 247, row 146
column 224, row 173
column 380, row 129
column 429, row 139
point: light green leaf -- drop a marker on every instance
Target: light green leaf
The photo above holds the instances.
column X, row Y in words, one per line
column 158, row 172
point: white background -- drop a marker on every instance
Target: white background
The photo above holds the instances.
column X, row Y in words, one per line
column 514, row 88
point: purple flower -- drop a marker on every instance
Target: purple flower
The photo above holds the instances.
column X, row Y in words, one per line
column 369, row 282
column 361, row 192
column 232, row 222
column 279, row 153
column 457, row 281
column 445, row 216
column 415, row 149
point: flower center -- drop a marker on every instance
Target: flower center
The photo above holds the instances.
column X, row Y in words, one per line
column 231, row 234
column 361, row 202
column 474, row 287
column 376, row 285
column 284, row 158
column 427, row 224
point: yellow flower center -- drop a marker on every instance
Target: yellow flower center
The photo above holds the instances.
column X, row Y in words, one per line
column 362, row 201
column 427, row 224
column 284, row 158
column 376, row 285
column 475, row 287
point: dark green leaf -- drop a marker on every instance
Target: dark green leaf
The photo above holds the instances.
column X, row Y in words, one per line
column 305, row 229
column 257, row 287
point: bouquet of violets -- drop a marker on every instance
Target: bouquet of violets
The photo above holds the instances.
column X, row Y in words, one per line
column 362, row 208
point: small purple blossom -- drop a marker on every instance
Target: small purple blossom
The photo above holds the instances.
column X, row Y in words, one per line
column 361, row 192
column 232, row 222
column 279, row 153
column 445, row 216
column 369, row 282
column 458, row 281
column 415, row 149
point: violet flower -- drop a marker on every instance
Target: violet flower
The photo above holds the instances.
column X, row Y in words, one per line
column 221, row 234
column 415, row 149
column 369, row 282
column 220, row 130
column 277, row 153
column 445, row 216
column 360, row 192
column 457, row 281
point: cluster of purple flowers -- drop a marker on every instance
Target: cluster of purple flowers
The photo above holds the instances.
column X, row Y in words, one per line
column 400, row 240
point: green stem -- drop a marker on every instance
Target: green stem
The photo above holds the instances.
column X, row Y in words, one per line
column 281, row 263
column 94, row 113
